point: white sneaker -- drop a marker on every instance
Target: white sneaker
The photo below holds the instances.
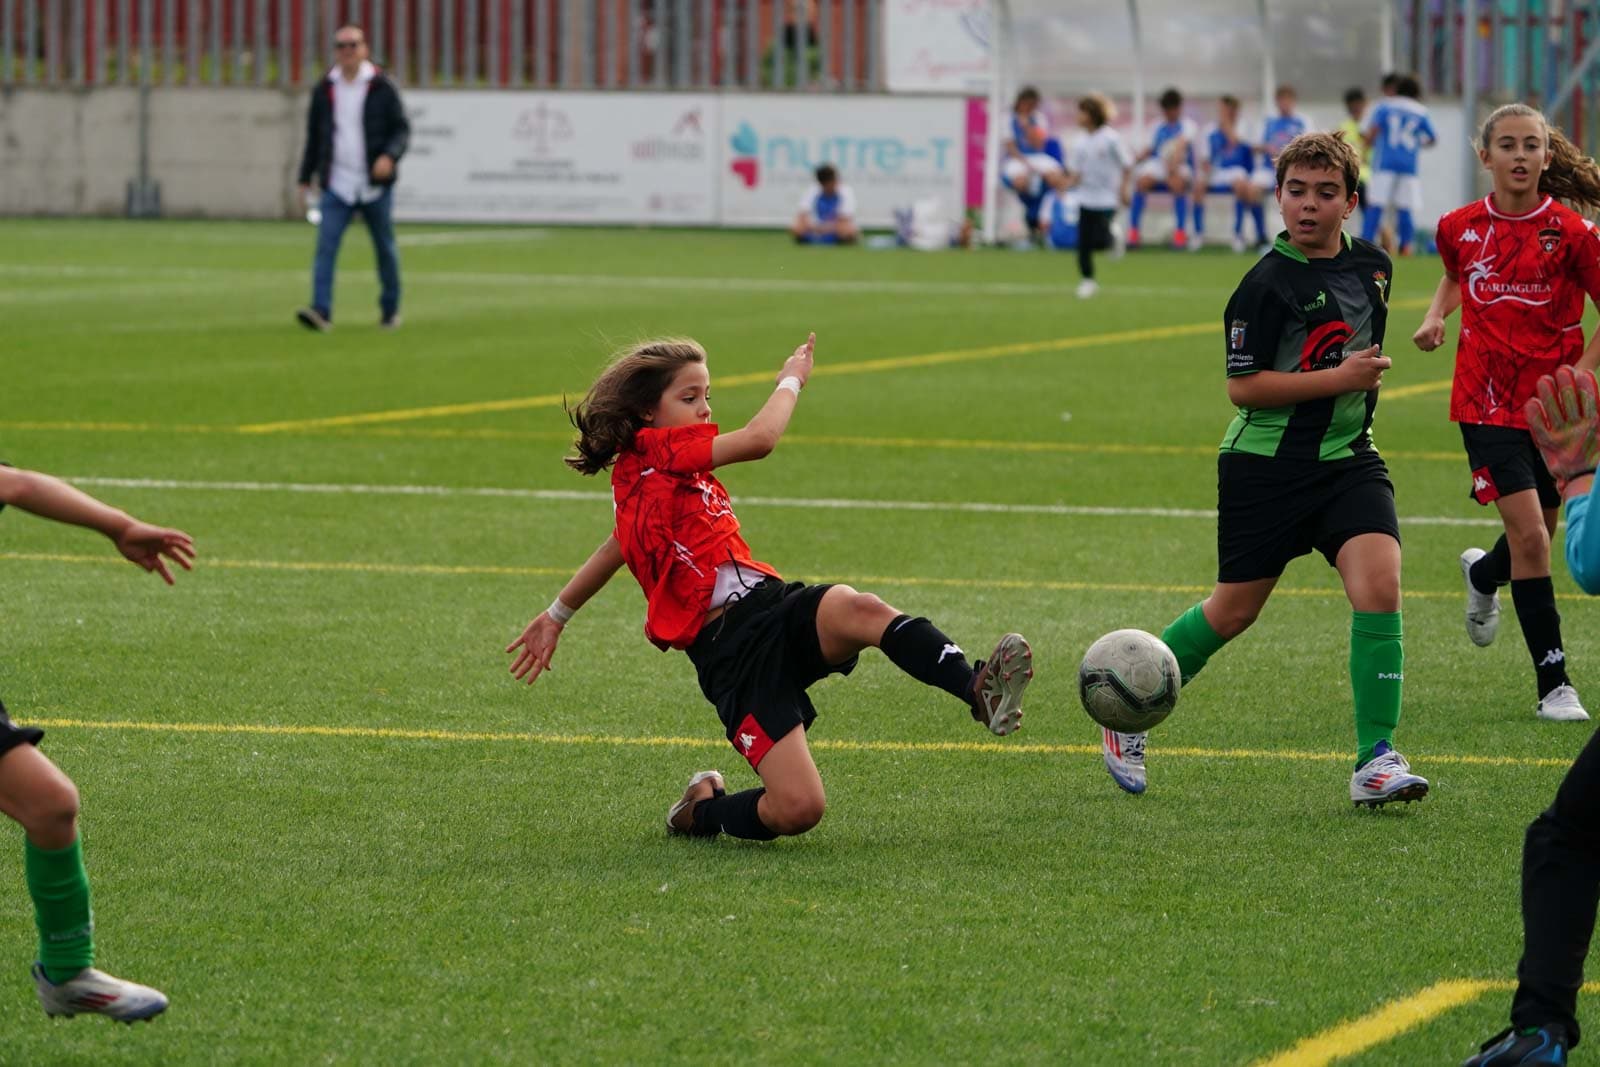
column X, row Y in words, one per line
column 1385, row 778
column 1119, row 241
column 1240, row 245
column 1196, row 242
column 1124, row 758
column 1087, row 288
column 92, row 992
column 676, row 822
column 998, row 682
column 1561, row 704
column 1483, row 610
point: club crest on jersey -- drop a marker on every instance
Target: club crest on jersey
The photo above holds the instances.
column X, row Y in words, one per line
column 1381, row 280
column 1550, row 239
column 1236, row 335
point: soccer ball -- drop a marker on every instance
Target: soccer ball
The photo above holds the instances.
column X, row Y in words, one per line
column 1129, row 681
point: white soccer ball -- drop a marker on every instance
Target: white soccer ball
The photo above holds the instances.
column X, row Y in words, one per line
column 1129, row 681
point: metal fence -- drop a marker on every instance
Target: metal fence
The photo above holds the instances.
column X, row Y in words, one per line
column 1539, row 51
column 806, row 45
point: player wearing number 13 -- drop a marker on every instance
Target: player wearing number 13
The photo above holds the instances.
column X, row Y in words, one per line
column 1297, row 470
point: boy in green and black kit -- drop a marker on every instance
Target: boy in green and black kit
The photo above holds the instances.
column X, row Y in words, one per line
column 1297, row 469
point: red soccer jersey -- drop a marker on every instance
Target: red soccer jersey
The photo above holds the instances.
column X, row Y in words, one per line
column 676, row 526
column 1523, row 280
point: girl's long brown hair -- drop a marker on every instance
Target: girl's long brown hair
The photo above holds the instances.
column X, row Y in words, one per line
column 1572, row 177
column 612, row 411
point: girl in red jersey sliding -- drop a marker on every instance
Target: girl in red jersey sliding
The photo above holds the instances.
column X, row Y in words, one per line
column 1518, row 263
column 757, row 642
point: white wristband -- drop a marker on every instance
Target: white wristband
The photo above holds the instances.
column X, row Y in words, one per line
column 560, row 612
column 791, row 383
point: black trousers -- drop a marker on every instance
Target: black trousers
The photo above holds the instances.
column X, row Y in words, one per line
column 1094, row 235
column 1560, row 890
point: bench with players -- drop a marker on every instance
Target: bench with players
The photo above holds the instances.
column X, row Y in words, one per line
column 1190, row 166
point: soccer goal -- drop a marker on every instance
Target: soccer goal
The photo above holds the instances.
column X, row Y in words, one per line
column 1132, row 50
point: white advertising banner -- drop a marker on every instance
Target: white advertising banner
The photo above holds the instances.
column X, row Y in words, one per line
column 890, row 151
column 937, row 46
column 560, row 157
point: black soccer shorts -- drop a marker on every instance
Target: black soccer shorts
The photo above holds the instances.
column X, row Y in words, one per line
column 1270, row 511
column 12, row 735
column 756, row 660
column 1504, row 460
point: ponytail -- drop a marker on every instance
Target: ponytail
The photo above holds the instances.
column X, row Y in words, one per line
column 1572, row 178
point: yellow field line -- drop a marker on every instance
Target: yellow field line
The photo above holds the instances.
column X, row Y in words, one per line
column 468, row 569
column 393, row 733
column 1402, row 392
column 1389, row 1022
column 929, row 359
column 1101, row 448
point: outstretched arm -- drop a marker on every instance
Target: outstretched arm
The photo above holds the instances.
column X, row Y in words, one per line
column 761, row 434
column 1446, row 299
column 51, row 498
column 539, row 638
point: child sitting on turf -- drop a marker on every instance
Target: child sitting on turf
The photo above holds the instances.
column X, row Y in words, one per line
column 827, row 212
column 36, row 793
column 757, row 642
column 1297, row 469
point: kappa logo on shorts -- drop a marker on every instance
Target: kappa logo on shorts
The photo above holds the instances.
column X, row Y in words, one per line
column 1484, row 491
column 752, row 741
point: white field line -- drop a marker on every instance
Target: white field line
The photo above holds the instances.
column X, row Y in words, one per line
column 412, row 239
column 605, row 281
column 815, row 503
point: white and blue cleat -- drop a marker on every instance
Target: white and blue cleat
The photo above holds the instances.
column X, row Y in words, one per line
column 1386, row 778
column 92, row 992
column 1124, row 758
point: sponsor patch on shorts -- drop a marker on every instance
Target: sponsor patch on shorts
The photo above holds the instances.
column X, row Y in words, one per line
column 752, row 741
column 1484, row 491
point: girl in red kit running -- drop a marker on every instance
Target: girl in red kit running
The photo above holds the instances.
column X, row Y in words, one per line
column 757, row 642
column 1518, row 263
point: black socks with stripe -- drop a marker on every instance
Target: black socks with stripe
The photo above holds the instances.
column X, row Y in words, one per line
column 921, row 649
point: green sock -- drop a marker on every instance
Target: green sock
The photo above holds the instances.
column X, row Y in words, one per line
column 1377, row 668
column 1193, row 641
column 59, row 887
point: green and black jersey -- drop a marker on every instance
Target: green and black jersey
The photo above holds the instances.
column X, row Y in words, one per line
column 1292, row 314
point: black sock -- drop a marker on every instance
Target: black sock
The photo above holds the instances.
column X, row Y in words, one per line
column 733, row 814
column 1535, row 599
column 1494, row 569
column 921, row 649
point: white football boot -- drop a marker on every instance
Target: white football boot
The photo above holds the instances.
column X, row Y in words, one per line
column 91, row 992
column 680, row 817
column 998, row 682
column 1483, row 609
column 1561, row 704
column 1087, row 288
column 1385, row 778
column 1124, row 756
